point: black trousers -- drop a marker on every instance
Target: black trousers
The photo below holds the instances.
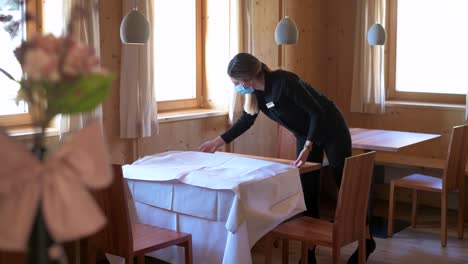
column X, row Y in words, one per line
column 337, row 147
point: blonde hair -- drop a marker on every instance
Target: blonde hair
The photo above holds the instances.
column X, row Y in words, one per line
column 245, row 66
column 250, row 104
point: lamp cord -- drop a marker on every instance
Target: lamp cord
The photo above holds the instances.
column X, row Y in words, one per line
column 285, row 8
column 377, row 11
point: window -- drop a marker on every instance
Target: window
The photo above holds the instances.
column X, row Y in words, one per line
column 47, row 17
column 428, row 50
column 10, row 112
column 177, row 53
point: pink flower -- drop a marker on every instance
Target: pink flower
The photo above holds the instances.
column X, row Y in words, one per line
column 79, row 60
column 40, row 65
column 48, row 43
column 42, row 55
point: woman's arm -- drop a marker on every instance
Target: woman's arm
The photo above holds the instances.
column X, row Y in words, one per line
column 212, row 145
column 302, row 158
column 241, row 125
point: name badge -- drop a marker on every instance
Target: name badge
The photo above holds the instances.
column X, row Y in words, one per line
column 270, row 104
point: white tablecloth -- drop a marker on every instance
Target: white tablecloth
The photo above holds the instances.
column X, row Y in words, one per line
column 226, row 202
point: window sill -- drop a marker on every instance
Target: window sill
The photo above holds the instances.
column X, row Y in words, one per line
column 28, row 133
column 188, row 114
column 412, row 104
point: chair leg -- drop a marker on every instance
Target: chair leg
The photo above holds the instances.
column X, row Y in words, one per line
column 304, row 253
column 362, row 251
column 129, row 260
column 285, row 254
column 461, row 212
column 268, row 248
column 337, row 251
column 91, row 255
column 414, row 207
column 391, row 204
column 140, row 259
column 443, row 217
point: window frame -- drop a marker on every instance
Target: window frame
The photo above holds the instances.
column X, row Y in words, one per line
column 391, row 53
column 196, row 102
column 34, row 8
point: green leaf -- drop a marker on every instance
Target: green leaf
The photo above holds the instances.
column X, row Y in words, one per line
column 81, row 95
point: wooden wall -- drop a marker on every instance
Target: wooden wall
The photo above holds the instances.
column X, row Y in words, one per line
column 179, row 135
column 262, row 138
column 340, row 67
column 323, row 57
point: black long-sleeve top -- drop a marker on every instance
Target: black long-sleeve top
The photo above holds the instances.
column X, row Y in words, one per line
column 292, row 103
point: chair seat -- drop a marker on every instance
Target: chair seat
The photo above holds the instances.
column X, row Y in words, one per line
column 150, row 238
column 307, row 229
column 420, row 182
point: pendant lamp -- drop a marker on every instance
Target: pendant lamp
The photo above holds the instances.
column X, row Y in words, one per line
column 286, row 30
column 134, row 28
column 376, row 34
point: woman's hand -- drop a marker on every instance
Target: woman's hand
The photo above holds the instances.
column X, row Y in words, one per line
column 302, row 158
column 212, row 145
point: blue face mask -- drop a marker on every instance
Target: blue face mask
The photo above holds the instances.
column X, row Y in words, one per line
column 242, row 90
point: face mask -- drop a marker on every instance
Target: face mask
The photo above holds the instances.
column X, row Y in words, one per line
column 242, row 90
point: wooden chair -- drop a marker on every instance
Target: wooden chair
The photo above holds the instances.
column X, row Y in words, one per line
column 123, row 238
column 452, row 180
column 350, row 217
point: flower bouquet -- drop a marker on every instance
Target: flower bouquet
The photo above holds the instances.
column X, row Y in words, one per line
column 60, row 76
column 47, row 199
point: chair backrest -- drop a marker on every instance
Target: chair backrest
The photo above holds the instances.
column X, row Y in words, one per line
column 116, row 237
column 454, row 171
column 351, row 208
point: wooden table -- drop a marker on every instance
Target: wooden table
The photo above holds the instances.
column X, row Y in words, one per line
column 306, row 167
column 386, row 140
column 389, row 141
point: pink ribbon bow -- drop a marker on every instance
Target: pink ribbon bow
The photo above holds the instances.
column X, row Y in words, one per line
column 60, row 183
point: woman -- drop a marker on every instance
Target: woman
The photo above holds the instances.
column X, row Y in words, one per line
column 315, row 121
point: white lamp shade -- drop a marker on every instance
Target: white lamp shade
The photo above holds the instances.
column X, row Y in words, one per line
column 286, row 32
column 376, row 35
column 134, row 28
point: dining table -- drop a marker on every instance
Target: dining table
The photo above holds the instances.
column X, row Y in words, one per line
column 381, row 140
column 386, row 140
column 226, row 201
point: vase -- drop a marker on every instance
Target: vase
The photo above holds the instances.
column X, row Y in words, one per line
column 39, row 248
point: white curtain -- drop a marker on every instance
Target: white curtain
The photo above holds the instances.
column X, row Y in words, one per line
column 368, row 87
column 87, row 31
column 138, row 112
column 241, row 26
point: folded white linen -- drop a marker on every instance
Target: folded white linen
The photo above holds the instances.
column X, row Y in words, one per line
column 209, row 170
column 260, row 186
column 194, row 192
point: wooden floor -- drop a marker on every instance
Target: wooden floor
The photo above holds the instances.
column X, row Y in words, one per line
column 412, row 245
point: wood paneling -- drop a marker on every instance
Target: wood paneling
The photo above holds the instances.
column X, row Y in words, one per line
column 262, row 138
column 323, row 57
column 182, row 135
column 308, row 58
